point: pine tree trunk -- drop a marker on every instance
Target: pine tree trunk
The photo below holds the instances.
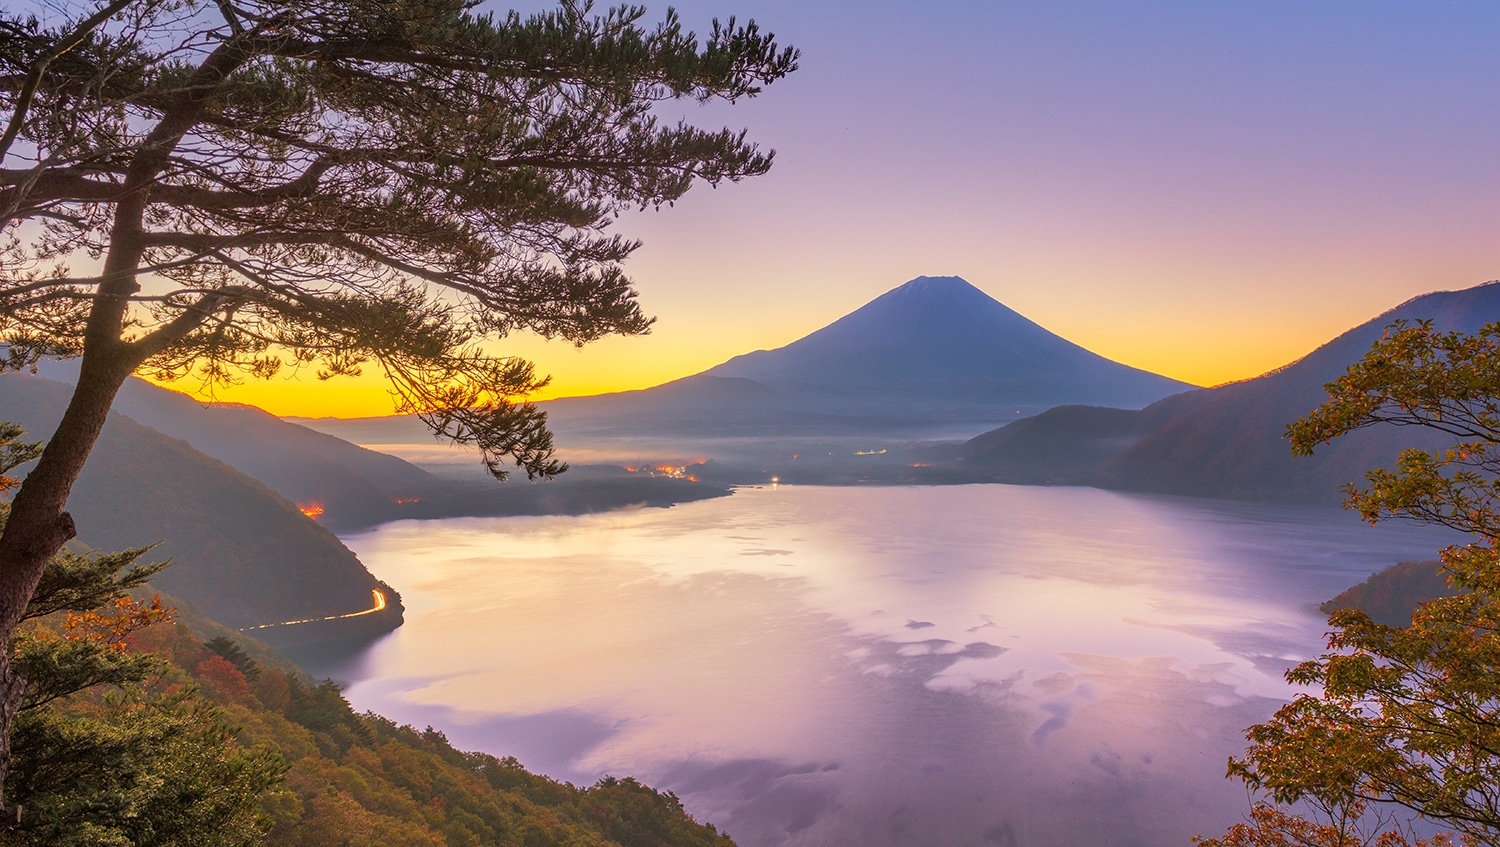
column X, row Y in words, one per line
column 12, row 691
column 38, row 525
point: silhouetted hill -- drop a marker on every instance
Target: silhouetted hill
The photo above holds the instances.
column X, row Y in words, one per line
column 1228, row 441
column 355, row 487
column 245, row 555
column 283, row 455
column 1069, row 444
column 1391, row 595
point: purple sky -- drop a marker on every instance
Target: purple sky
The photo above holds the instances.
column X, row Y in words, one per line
column 1206, row 190
column 1202, row 189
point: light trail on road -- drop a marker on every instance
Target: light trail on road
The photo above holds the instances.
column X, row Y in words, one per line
column 378, row 607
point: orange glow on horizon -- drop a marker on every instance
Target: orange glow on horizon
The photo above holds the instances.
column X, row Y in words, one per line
column 366, row 396
column 1212, row 339
column 312, row 510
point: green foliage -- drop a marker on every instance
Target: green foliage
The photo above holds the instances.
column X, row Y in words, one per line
column 631, row 813
column 328, row 184
column 198, row 743
column 416, row 788
column 137, row 769
column 76, row 583
column 13, row 454
column 83, row 582
column 1406, row 716
column 59, row 667
column 363, row 779
column 141, row 765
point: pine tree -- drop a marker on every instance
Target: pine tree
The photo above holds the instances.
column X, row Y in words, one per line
column 239, row 187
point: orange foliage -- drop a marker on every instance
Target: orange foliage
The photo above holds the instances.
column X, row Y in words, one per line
column 1272, row 827
column 220, row 675
column 157, row 639
column 114, row 622
column 272, row 689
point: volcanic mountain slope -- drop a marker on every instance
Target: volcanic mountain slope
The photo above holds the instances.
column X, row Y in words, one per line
column 243, row 554
column 1226, row 441
column 935, row 349
column 938, row 347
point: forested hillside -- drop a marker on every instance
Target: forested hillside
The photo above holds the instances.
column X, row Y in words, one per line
column 350, row 779
column 1226, row 441
column 244, row 554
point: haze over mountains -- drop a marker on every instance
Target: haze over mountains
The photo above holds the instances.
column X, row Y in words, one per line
column 935, row 350
column 354, row 487
column 1225, row 441
column 936, row 353
column 933, row 358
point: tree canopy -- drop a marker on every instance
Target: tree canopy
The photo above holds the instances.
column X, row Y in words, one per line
column 234, row 188
column 1403, row 716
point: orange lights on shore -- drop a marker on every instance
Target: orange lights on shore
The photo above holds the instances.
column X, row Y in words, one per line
column 312, row 510
column 664, row 471
column 402, row 501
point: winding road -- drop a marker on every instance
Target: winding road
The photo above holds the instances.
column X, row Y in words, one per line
column 379, row 598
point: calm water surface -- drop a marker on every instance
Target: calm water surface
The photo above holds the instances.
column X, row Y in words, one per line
column 968, row 665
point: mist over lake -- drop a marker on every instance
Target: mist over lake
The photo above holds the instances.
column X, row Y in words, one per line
column 962, row 665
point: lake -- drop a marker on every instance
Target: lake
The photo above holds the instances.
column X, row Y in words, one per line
column 963, row 665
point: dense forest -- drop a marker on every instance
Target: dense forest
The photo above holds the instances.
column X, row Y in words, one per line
column 222, row 748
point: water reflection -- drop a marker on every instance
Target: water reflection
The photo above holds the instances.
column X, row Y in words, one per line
column 839, row 666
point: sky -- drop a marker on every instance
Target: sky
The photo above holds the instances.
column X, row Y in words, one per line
column 1203, row 190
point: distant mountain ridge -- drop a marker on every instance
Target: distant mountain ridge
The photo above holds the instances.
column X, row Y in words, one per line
column 935, row 349
column 1226, row 441
column 354, row 486
column 303, row 465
